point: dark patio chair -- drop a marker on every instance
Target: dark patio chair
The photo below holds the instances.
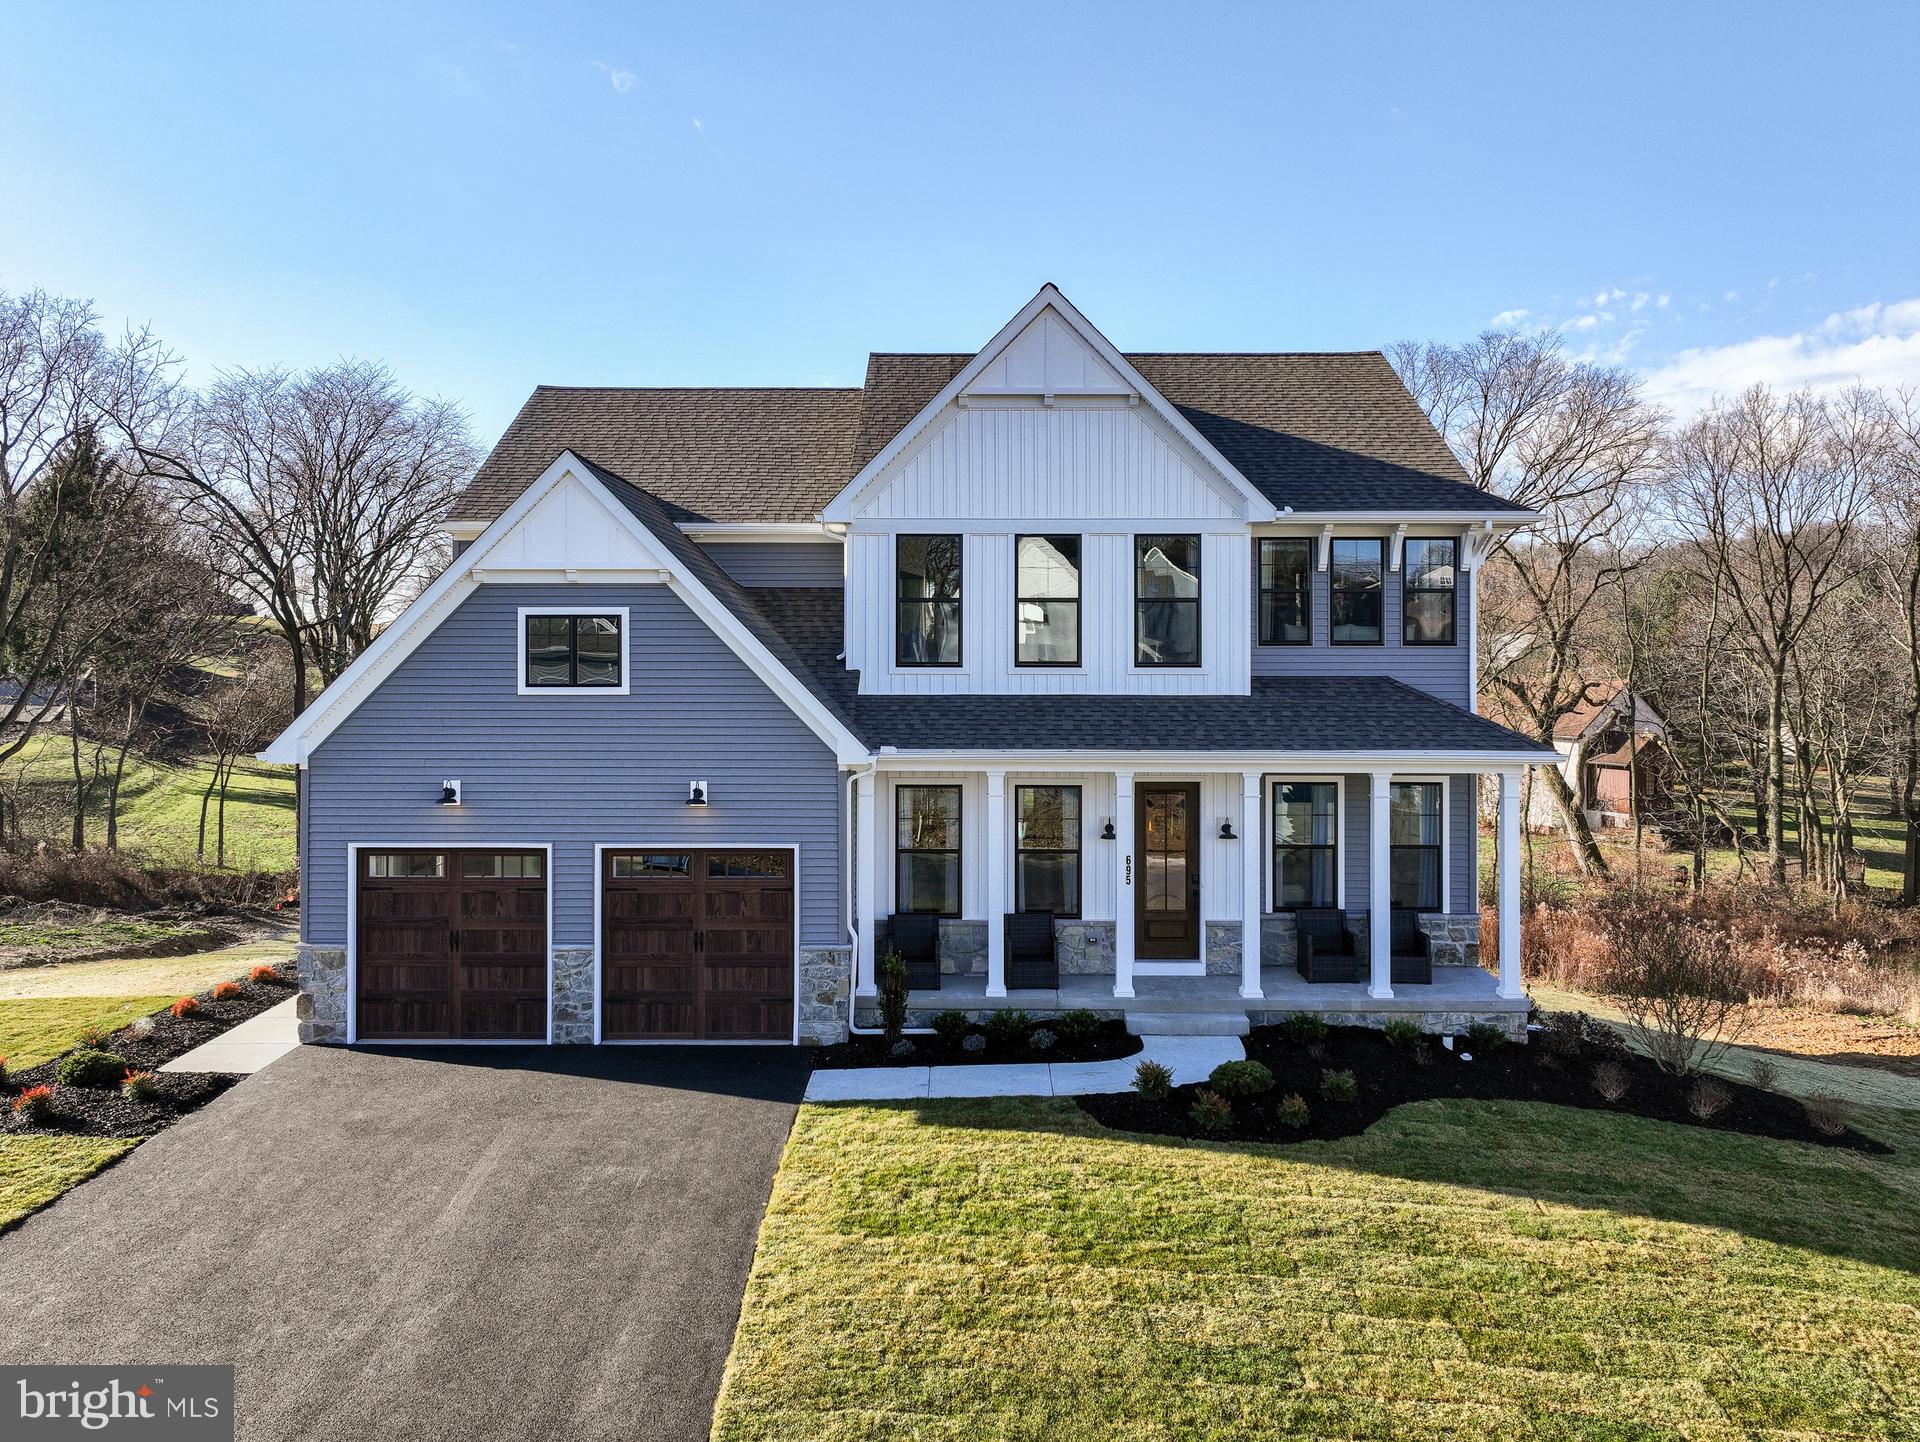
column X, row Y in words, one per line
column 1031, row 963
column 915, row 938
column 1327, row 949
column 1411, row 953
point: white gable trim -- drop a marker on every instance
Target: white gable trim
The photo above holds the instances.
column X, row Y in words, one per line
column 841, row 508
column 634, row 554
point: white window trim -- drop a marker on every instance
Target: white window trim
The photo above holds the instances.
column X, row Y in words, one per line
column 626, row 651
column 1446, row 834
column 1274, row 783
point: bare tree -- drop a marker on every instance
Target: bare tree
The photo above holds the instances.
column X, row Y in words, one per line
column 323, row 493
column 1895, row 548
column 1771, row 492
column 242, row 715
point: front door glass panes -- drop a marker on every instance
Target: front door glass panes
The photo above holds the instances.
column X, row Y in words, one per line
column 1165, row 864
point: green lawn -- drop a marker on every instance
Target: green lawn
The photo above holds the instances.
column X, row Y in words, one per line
column 38, row 1029
column 1009, row 1269
column 35, row 1170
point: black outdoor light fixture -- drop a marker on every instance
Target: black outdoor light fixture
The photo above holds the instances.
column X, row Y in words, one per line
column 1107, row 833
column 1226, row 829
column 696, row 793
column 449, row 793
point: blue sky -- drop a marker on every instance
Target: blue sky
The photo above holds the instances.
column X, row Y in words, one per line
column 490, row 196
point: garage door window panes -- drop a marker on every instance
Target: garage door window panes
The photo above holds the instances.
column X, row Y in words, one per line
column 390, row 864
column 629, row 866
column 767, row 865
column 504, row 865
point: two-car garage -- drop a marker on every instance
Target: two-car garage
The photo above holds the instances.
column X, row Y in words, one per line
column 695, row 944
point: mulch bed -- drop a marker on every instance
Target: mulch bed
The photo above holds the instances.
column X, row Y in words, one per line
column 1560, row 1070
column 1104, row 1041
column 103, row 1112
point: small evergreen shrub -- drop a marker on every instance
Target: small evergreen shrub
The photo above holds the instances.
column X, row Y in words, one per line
column 140, row 1086
column 1076, row 1028
column 1304, row 1029
column 263, row 972
column 1292, row 1111
column 1827, row 1115
column 1339, row 1086
column 1211, row 1113
column 1405, row 1034
column 1241, row 1079
column 1485, row 1038
column 88, row 1067
column 1706, row 1099
column 893, row 996
column 1153, row 1081
column 35, row 1104
column 225, row 990
column 950, row 1026
column 1008, row 1030
column 1610, row 1080
column 184, row 1007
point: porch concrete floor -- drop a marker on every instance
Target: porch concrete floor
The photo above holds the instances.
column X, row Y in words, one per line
column 1454, row 988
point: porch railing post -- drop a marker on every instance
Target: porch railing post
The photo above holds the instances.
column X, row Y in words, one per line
column 1380, row 883
column 1250, row 867
column 996, row 883
column 1123, row 884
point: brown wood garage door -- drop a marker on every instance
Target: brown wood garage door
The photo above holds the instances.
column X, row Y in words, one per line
column 452, row 945
column 697, row 946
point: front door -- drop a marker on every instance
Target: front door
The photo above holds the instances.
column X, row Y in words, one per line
column 1167, row 900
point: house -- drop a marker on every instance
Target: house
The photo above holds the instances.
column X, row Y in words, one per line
column 727, row 691
column 1613, row 754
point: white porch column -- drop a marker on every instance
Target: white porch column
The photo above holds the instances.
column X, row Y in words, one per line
column 1123, row 884
column 1380, row 882
column 1510, row 886
column 996, row 883
column 866, row 845
column 1251, row 858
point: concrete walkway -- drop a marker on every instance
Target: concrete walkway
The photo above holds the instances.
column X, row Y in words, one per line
column 248, row 1047
column 1190, row 1058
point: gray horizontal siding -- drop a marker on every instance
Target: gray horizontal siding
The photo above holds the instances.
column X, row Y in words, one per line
column 1443, row 671
column 572, row 769
column 780, row 563
column 1462, row 846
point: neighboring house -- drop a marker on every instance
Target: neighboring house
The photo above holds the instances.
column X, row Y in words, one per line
column 721, row 680
column 1613, row 754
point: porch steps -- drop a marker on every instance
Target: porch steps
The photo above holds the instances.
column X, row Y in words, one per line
column 1186, row 1023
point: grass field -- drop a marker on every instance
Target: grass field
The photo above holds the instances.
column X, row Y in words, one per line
column 160, row 806
column 37, row 1029
column 35, row 1170
column 1008, row 1269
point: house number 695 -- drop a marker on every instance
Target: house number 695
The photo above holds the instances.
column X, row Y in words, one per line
column 1129, row 872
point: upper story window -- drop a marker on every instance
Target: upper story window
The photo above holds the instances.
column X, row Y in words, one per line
column 927, row 596
column 926, row 839
column 1166, row 600
column 1286, row 591
column 564, row 650
column 1358, row 565
column 1046, row 600
column 1427, row 599
column 1046, row 849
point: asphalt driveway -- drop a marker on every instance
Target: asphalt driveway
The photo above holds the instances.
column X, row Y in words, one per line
column 447, row 1243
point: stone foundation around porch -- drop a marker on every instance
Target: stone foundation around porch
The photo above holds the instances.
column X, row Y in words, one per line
column 1456, row 937
column 826, row 981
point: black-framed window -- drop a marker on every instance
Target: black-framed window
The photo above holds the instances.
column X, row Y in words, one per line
column 1286, row 591
column 1046, row 849
column 1166, row 600
column 573, row 650
column 1046, row 600
column 1306, row 844
column 1427, row 598
column 926, row 839
column 1354, row 590
column 1415, row 828
column 927, row 600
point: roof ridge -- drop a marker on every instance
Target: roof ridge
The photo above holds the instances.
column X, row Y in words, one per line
column 813, row 390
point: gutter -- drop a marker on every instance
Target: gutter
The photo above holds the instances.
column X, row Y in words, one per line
column 853, row 999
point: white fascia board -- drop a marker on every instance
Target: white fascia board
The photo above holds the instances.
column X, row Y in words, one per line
column 767, row 532
column 463, row 530
column 457, row 582
column 1258, row 507
column 1327, row 762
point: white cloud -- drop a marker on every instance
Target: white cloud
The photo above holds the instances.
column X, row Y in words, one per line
column 1603, row 297
column 1877, row 344
column 698, row 126
column 621, row 80
column 1509, row 317
column 1664, row 301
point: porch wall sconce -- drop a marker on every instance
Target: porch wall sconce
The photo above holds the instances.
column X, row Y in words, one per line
column 1226, row 829
column 696, row 793
column 1107, row 833
column 449, row 793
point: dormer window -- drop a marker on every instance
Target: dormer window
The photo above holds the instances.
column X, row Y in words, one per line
column 1046, row 600
column 1166, row 600
column 1427, row 600
column 927, row 600
column 1358, row 565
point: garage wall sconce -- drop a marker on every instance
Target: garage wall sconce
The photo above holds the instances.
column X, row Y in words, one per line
column 449, row 793
column 696, row 793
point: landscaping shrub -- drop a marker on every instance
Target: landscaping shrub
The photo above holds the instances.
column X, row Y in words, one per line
column 1339, row 1086
column 93, row 1035
column 140, row 1086
column 893, row 996
column 1211, row 1113
column 115, row 879
column 973, row 1043
column 1041, row 1040
column 1153, row 1081
column 1405, row 1034
column 1304, row 1029
column 950, row 1026
column 1610, row 1080
column 1292, row 1111
column 1241, row 1079
column 186, row 1006
column 1706, row 1098
column 36, row 1104
column 1075, row 1028
column 224, row 990
column 1765, row 1074
column 1827, row 1115
column 1485, row 1037
column 1684, row 993
column 263, row 972
column 87, row 1067
column 1008, row 1030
